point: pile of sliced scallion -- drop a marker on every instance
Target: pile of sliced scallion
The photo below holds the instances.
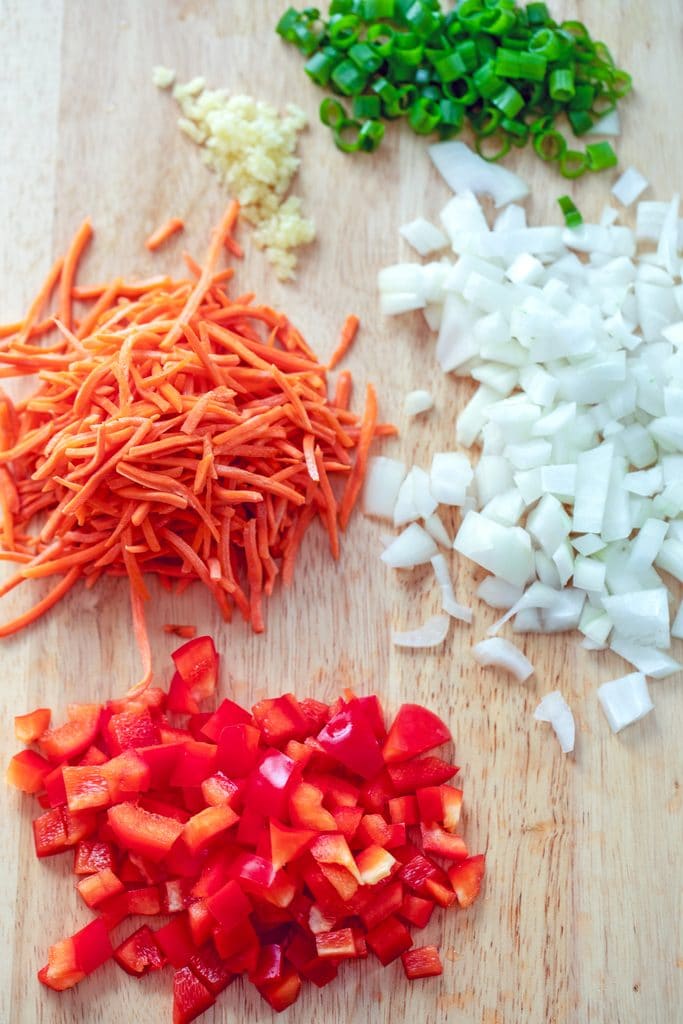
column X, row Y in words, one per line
column 512, row 73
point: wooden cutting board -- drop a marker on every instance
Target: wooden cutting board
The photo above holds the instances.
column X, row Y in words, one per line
column 581, row 916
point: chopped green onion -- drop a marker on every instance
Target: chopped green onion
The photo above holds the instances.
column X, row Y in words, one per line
column 424, row 116
column 580, row 120
column 561, row 84
column 572, row 217
column 487, row 81
column 510, row 64
column 366, row 106
column 370, row 135
column 509, row 101
column 546, row 43
column 320, row 66
column 349, row 78
column 573, row 164
column 600, row 155
column 383, row 38
column 365, row 57
column 372, row 9
column 421, row 18
column 450, row 67
column 347, row 136
column 332, row 113
column 345, row 31
column 549, row 145
column 493, row 147
column 537, row 14
column 452, row 113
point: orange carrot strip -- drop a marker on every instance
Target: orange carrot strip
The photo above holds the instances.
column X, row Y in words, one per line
column 348, row 334
column 163, row 233
column 50, row 599
column 71, row 260
column 354, row 481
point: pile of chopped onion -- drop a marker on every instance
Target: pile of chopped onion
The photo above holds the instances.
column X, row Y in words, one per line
column 574, row 500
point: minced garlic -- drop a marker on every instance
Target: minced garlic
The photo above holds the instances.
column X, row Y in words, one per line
column 251, row 147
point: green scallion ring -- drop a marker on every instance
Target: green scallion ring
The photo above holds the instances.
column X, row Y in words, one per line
column 345, row 31
column 332, row 113
column 341, row 135
column 492, row 147
column 550, row 145
column 573, row 164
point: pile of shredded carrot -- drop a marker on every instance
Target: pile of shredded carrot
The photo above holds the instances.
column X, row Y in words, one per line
column 175, row 431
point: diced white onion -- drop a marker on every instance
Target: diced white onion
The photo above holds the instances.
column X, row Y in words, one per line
column 625, row 700
column 629, row 186
column 450, row 476
column 383, row 481
column 498, row 593
column 418, row 401
column 609, row 124
column 554, row 709
column 502, row 653
column 412, row 547
column 463, row 170
column 503, row 550
column 424, row 237
column 432, row 633
column 448, row 600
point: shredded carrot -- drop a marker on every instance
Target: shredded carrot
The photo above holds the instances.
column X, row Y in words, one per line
column 163, row 233
column 348, row 334
column 185, row 632
column 175, row 432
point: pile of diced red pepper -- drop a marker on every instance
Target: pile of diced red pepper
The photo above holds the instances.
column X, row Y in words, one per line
column 280, row 841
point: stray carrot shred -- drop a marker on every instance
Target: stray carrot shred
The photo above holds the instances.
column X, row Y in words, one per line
column 163, row 233
column 174, row 431
column 185, row 632
column 348, row 334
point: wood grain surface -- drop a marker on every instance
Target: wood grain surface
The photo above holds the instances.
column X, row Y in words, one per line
column 582, row 910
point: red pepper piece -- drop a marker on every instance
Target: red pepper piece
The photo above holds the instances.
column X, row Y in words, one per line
column 271, row 963
column 373, row 829
column 175, row 895
column 416, row 910
column 227, row 713
column 180, row 863
column 61, row 970
column 161, row 759
column 423, row 771
column 113, row 911
column 414, row 730
column 86, row 788
column 54, row 787
column 451, row 801
column 92, row 946
column 319, row 921
column 332, row 848
column 197, row 664
column 238, row 749
column 30, row 727
column 49, row 833
column 466, row 879
column 203, row 828
column 389, row 939
column 93, row 756
column 341, row 880
column 95, row 889
column 210, row 969
column 281, row 719
column 338, row 792
column 140, row 953
column 175, row 941
column 348, row 819
column 348, row 737
column 195, row 763
column 376, row 793
column 127, row 775
column 139, row 830
column 79, row 825
column 180, row 699
column 442, row 894
column 340, row 944
column 196, row 725
column 423, row 962
column 372, row 710
column 163, row 807
column 404, row 810
column 172, row 734
column 445, row 844
column 378, row 905
column 229, row 905
column 283, row 992
column 237, row 942
column 27, row 771
column 306, row 809
column 129, row 729
column 430, row 803
column 71, row 739
column 416, row 871
column 251, row 827
column 92, row 855
column 323, row 892
column 200, row 922
column 286, row 844
column 145, row 901
column 301, row 952
column 190, row 996
column 269, row 784
column 299, row 752
column 220, row 791
column 316, row 714
column 257, row 875
column 375, row 864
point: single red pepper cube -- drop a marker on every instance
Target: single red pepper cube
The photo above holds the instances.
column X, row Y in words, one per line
column 348, row 737
column 93, row 756
column 280, row 719
column 258, row 876
column 375, row 715
column 181, row 863
column 197, row 663
column 220, row 791
column 338, row 792
column 161, row 759
column 269, row 783
column 207, row 965
column 54, row 787
column 238, row 749
column 299, row 752
column 229, row 905
column 316, row 714
column 30, row 727
column 348, row 819
column 204, row 827
column 331, row 848
column 92, row 946
column 422, row 962
column 49, row 833
column 180, row 700
column 445, row 844
column 175, row 941
column 79, row 825
column 113, row 911
column 389, row 939
column 416, row 910
column 93, row 855
column 282, row 992
column 271, row 963
column 451, row 800
column 145, row 901
column 227, row 713
column 244, row 961
column 442, row 894
column 196, row 762
column 164, row 808
column 421, row 772
column 27, row 771
column 139, row 953
column 466, row 879
column 340, row 945
column 286, row 844
column 375, row 830
column 342, row 881
column 130, row 729
column 200, row 922
column 86, row 788
column 376, row 793
column 416, row 871
column 375, row 864
column 94, row 889
column 306, row 809
column 404, row 810
column 139, row 830
column 173, row 734
column 252, row 826
column 175, row 895
column 236, row 939
column 127, row 775
column 323, row 891
column 61, row 970
column 190, row 996
column 71, row 739
column 378, row 905
column 430, row 803
column 414, row 730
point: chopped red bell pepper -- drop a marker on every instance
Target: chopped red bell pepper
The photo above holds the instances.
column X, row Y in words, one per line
column 404, row 810
column 238, row 749
column 445, row 844
column 306, row 809
column 202, row 828
column 30, row 727
column 49, row 833
column 180, row 699
column 282, row 992
column 376, row 793
column 451, row 801
column 270, row 783
column 140, row 953
column 414, row 730
column 190, row 996
column 374, row 829
column 315, row 712
column 281, row 719
column 219, row 790
column 423, row 962
column 131, row 729
column 92, row 855
column 136, row 829
column 416, row 910
column 227, row 713
column 92, row 946
column 207, row 965
column 174, row 894
column 375, row 864
column 271, row 963
column 333, row 848
column 341, row 945
column 409, row 776
column 348, row 819
column 195, row 763
column 466, row 879
column 27, row 771
column 61, row 970
column 71, row 739
column 200, row 922
column 441, row 894
column 378, row 905
column 257, row 875
column 175, row 941
column 197, row 664
column 229, row 905
column 86, row 787
column 389, row 939
column 348, row 737
column 341, row 880
column 286, row 844
column 95, row 889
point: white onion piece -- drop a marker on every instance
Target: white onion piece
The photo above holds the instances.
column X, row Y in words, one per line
column 555, row 710
column 424, row 237
column 677, row 627
column 629, row 186
column 395, row 303
column 418, row 401
column 503, row 550
column 501, row 653
column 431, row 634
column 498, row 593
column 642, row 616
column 450, row 476
column 448, row 600
column 625, row 700
column 609, row 124
column 464, row 170
column 383, row 481
column 649, row 660
column 412, row 547
column 436, row 529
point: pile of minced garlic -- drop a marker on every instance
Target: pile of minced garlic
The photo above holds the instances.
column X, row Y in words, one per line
column 251, row 148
